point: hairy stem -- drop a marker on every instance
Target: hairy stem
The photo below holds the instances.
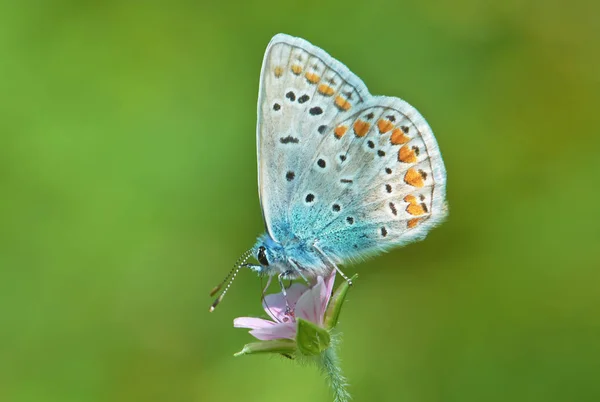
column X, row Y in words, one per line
column 330, row 366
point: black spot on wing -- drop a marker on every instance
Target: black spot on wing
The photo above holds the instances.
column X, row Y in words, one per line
column 315, row 111
column 289, row 139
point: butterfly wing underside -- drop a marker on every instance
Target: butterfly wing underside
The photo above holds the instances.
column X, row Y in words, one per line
column 350, row 172
column 302, row 89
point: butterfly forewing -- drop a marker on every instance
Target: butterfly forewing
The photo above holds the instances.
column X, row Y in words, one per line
column 302, row 92
column 351, row 172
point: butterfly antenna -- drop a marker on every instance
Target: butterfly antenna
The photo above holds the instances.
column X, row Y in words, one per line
column 232, row 274
column 239, row 261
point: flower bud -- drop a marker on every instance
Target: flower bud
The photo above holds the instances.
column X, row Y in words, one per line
column 282, row 346
column 334, row 308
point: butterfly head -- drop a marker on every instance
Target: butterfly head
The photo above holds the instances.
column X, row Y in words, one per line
column 270, row 256
column 261, row 256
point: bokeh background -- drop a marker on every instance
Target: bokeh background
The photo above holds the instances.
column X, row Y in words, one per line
column 128, row 189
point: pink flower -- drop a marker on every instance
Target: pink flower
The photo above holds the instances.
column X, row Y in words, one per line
column 302, row 328
column 308, row 303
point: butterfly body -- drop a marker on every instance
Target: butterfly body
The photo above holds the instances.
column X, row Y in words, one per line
column 342, row 174
column 292, row 258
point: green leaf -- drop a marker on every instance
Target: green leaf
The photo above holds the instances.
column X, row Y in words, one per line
column 335, row 304
column 282, row 346
column 310, row 338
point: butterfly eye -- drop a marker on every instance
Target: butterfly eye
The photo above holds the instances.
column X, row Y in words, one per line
column 262, row 256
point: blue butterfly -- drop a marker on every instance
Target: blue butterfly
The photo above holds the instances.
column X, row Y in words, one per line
column 342, row 174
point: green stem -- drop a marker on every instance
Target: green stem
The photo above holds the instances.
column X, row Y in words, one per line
column 330, row 366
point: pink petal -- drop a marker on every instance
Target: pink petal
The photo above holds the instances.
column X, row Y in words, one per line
column 326, row 292
column 252, row 323
column 277, row 331
column 274, row 304
column 309, row 307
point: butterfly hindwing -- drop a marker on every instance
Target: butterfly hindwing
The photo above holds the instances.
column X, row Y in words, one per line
column 390, row 188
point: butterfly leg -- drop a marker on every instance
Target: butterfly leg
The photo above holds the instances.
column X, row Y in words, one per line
column 331, row 264
column 288, row 310
column 264, row 291
column 299, row 270
column 267, row 285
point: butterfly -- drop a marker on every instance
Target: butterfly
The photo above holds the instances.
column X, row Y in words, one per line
column 342, row 174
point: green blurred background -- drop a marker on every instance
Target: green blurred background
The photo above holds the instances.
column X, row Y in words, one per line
column 128, row 189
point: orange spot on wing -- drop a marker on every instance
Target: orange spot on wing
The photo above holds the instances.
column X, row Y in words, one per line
column 342, row 103
column 340, row 131
column 361, row 128
column 278, row 71
column 414, row 178
column 407, row 155
column 325, row 90
column 398, row 137
column 312, row 78
column 296, row 69
column 413, row 208
column 384, row 126
column 413, row 223
column 411, row 199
